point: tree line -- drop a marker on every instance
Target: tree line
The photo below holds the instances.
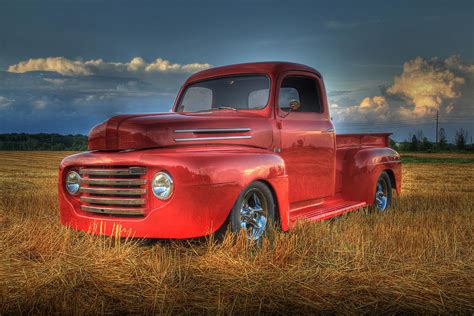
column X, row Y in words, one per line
column 42, row 141
column 418, row 142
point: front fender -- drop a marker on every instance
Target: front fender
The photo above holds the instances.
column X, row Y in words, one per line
column 207, row 183
column 235, row 169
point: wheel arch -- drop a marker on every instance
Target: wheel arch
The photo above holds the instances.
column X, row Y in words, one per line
column 248, row 166
column 391, row 175
column 278, row 186
column 275, row 199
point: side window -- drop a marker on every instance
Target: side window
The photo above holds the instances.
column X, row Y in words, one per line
column 288, row 94
column 301, row 89
column 197, row 99
column 258, row 98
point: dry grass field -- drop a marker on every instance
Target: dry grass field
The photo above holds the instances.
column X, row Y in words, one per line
column 439, row 155
column 416, row 258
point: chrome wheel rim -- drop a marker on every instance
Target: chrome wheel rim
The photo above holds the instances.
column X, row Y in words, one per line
column 254, row 214
column 381, row 196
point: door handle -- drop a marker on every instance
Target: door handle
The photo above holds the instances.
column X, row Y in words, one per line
column 329, row 130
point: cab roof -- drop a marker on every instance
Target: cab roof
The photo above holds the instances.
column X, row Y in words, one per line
column 271, row 68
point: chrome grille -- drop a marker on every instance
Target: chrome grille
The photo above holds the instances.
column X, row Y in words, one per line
column 113, row 190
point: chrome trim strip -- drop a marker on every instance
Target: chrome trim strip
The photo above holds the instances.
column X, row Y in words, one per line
column 214, row 130
column 113, row 191
column 112, row 201
column 113, row 172
column 113, row 181
column 194, row 139
column 118, row 211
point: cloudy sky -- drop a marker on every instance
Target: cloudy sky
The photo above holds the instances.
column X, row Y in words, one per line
column 67, row 65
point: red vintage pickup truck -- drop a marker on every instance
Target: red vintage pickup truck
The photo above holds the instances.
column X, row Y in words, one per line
column 244, row 147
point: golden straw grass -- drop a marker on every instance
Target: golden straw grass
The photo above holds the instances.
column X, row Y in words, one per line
column 417, row 258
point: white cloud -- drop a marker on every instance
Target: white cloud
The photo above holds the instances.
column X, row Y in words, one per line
column 55, row 81
column 424, row 87
column 333, row 24
column 449, row 108
column 339, row 24
column 454, row 62
column 370, row 109
column 136, row 66
column 128, row 86
column 426, row 84
column 40, row 104
column 5, row 102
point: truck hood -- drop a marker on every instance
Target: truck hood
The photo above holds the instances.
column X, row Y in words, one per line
column 173, row 129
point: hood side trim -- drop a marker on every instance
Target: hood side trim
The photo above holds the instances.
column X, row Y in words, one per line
column 191, row 139
column 214, row 130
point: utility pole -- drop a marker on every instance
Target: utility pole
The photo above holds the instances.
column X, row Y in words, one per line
column 437, row 122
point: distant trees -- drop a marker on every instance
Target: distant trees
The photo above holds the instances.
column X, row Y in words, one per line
column 418, row 142
column 426, row 145
column 393, row 144
column 442, row 140
column 414, row 143
column 460, row 139
column 43, row 141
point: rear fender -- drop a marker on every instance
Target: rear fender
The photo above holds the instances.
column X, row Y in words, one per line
column 361, row 172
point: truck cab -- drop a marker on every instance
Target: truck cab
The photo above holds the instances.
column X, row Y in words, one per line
column 244, row 147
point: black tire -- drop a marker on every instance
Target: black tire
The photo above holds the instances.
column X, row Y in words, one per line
column 382, row 194
column 263, row 193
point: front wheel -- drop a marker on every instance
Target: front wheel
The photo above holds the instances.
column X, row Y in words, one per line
column 383, row 193
column 254, row 211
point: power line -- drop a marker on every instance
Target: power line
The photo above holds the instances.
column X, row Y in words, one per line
column 437, row 123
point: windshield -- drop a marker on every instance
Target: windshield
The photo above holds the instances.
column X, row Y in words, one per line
column 237, row 92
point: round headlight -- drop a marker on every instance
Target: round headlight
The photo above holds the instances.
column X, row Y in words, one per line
column 162, row 185
column 73, row 182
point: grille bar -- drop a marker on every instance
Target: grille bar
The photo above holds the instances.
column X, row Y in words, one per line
column 113, row 172
column 123, row 182
column 112, row 201
column 114, row 211
column 108, row 191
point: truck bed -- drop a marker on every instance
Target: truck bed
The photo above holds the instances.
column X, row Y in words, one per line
column 362, row 140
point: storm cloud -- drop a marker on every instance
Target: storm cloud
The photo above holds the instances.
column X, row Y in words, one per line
column 56, row 94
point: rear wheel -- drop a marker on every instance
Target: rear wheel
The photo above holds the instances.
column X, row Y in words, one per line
column 254, row 211
column 383, row 193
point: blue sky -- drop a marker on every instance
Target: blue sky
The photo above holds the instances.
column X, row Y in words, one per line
column 67, row 65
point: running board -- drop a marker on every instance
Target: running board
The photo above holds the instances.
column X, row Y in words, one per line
column 325, row 210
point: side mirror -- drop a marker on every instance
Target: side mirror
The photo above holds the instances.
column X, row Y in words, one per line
column 294, row 105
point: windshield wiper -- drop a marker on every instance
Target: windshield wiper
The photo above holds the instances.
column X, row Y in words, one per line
column 226, row 108
column 218, row 108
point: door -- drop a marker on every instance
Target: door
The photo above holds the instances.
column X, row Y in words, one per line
column 307, row 137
